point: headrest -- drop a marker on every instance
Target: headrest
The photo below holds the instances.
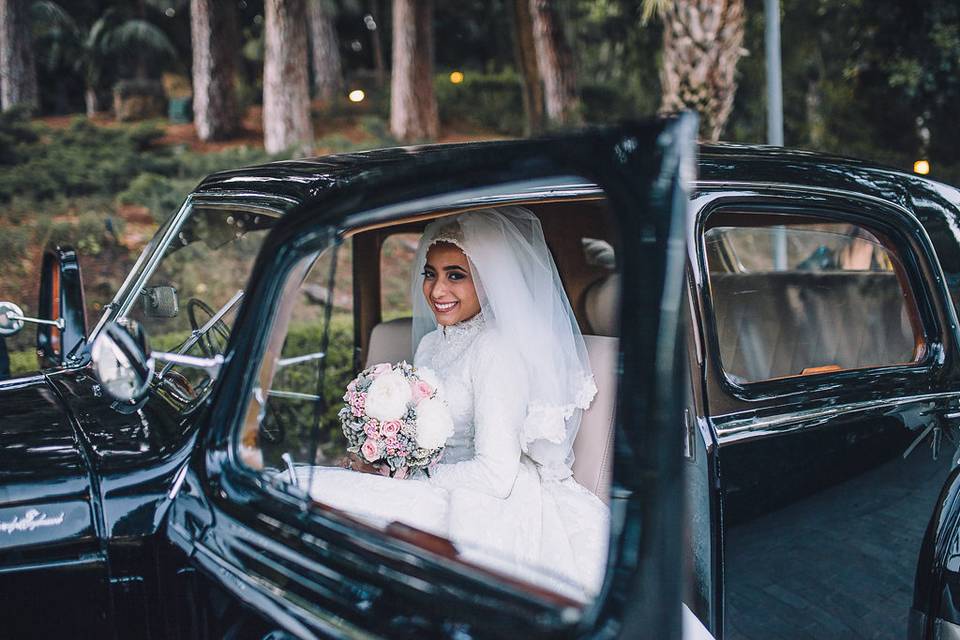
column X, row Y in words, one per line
column 602, row 304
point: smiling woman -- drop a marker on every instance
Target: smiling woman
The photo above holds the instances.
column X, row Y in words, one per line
column 448, row 284
column 497, row 332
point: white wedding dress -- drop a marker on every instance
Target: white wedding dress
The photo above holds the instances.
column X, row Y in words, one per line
column 487, row 496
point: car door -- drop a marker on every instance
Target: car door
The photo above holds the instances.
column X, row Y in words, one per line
column 52, row 557
column 829, row 373
column 255, row 555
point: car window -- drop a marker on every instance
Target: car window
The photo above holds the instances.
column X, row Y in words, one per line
column 191, row 297
column 396, row 254
column 294, row 430
column 801, row 299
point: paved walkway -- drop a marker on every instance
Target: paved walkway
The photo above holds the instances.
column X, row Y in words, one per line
column 839, row 564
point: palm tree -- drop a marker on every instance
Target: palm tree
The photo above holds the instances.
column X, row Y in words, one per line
column 89, row 50
column 702, row 43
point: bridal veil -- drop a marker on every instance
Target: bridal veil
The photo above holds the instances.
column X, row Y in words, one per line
column 522, row 297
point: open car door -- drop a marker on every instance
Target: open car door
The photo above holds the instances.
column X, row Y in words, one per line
column 254, row 554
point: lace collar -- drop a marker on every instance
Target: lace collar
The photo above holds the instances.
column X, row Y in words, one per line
column 464, row 329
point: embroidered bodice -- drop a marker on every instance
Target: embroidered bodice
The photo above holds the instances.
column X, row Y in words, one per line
column 485, row 388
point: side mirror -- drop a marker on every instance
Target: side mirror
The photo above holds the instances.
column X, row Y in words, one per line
column 61, row 310
column 160, row 302
column 121, row 363
column 11, row 319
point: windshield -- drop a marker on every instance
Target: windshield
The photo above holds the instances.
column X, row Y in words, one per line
column 186, row 289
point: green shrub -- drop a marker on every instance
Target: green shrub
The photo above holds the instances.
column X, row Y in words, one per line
column 488, row 101
column 14, row 242
column 160, row 194
column 23, row 362
column 298, row 416
column 15, row 132
column 495, row 102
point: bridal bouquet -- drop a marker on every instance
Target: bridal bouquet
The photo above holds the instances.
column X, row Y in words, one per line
column 393, row 417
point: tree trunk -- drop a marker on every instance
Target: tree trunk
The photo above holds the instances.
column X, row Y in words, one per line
column 325, row 49
column 90, row 100
column 18, row 74
column 413, row 105
column 213, row 29
column 286, row 87
column 525, row 54
column 555, row 61
column 702, row 43
column 379, row 67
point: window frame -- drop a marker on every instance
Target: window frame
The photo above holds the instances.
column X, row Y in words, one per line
column 910, row 245
column 395, row 541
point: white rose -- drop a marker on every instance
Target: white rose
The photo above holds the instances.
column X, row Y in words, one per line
column 434, row 424
column 388, row 396
column 431, row 378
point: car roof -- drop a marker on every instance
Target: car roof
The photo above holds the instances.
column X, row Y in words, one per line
column 303, row 179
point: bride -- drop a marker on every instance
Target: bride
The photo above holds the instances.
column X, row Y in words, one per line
column 491, row 319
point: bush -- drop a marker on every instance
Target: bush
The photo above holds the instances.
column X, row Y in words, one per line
column 82, row 159
column 88, row 233
column 15, row 132
column 491, row 101
column 160, row 194
column 298, row 416
column 495, row 102
column 23, row 362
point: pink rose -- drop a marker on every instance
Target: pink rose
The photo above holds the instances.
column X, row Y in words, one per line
column 420, row 390
column 381, row 369
column 390, row 428
column 370, row 450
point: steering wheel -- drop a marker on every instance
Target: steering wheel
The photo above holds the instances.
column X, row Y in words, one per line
column 213, row 341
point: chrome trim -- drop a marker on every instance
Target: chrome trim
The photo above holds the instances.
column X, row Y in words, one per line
column 177, row 482
column 286, row 362
column 210, row 365
column 336, row 626
column 292, row 395
column 944, row 630
column 78, row 563
column 179, row 358
column 735, row 430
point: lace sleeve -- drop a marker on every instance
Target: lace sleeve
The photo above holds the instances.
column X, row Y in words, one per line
column 500, row 405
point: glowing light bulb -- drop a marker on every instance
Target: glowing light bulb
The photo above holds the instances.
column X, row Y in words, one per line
column 456, row 77
column 357, row 95
column 922, row 167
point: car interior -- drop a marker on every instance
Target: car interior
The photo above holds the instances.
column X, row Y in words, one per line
column 282, row 437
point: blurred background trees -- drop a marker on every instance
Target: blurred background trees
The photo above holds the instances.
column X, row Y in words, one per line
column 112, row 110
column 873, row 78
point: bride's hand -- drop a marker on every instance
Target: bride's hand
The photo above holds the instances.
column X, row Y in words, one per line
column 354, row 463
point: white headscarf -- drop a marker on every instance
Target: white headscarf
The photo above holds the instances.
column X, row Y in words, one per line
column 521, row 295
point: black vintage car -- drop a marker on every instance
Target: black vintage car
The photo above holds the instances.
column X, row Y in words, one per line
column 774, row 339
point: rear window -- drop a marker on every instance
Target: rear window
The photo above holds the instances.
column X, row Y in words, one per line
column 801, row 299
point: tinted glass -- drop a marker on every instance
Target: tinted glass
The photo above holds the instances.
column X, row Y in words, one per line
column 803, row 299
